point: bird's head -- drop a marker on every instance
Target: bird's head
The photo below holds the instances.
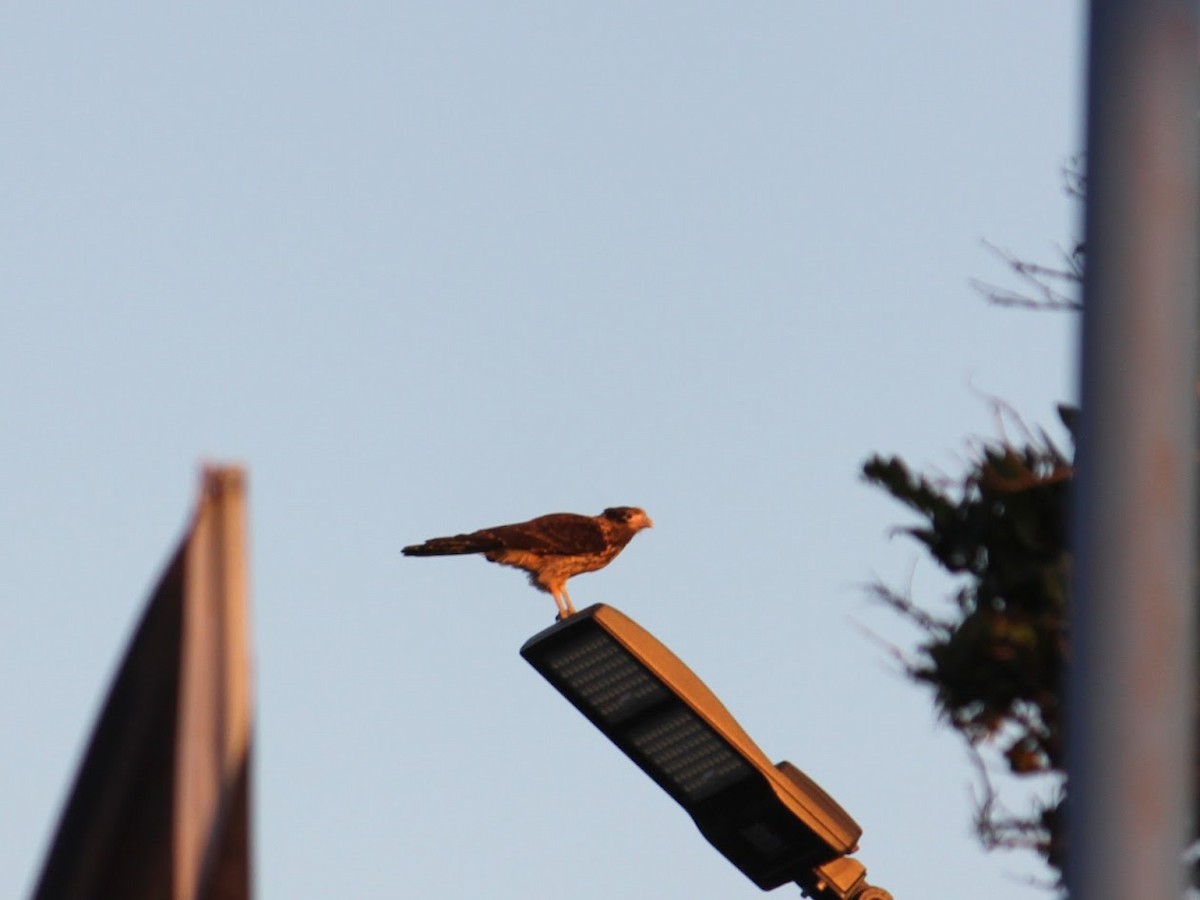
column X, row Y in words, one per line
column 630, row 516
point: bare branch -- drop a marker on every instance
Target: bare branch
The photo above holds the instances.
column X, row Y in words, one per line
column 906, row 607
column 1074, row 174
column 1046, row 282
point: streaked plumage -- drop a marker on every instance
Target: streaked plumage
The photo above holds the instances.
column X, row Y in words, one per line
column 550, row 548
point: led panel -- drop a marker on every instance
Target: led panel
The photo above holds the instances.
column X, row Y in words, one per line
column 688, row 753
column 603, row 675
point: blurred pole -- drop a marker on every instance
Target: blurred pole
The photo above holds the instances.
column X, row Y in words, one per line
column 1132, row 678
column 215, row 719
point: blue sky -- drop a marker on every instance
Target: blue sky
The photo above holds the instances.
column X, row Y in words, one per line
column 424, row 268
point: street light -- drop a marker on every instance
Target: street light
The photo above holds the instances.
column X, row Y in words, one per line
column 771, row 821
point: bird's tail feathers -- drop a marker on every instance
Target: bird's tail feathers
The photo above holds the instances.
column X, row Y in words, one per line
column 451, row 546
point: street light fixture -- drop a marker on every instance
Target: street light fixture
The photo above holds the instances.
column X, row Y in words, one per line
column 771, row 821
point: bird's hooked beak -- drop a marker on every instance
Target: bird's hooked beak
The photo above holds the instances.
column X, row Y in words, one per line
column 646, row 521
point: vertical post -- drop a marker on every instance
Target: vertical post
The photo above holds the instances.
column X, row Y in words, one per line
column 1132, row 677
column 214, row 723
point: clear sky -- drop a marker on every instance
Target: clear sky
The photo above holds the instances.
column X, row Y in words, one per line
column 428, row 267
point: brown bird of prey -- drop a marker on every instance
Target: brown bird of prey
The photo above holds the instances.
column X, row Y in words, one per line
column 550, row 548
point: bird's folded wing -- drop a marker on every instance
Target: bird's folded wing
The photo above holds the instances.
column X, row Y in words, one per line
column 559, row 534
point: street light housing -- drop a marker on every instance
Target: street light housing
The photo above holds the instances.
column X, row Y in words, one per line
column 771, row 821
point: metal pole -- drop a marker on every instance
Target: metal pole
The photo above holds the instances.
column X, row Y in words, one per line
column 1132, row 678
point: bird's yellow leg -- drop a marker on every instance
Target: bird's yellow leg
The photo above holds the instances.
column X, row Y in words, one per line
column 563, row 602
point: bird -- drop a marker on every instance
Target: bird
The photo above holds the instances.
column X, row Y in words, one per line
column 551, row 548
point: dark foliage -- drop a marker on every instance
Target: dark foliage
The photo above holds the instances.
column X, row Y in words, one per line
column 995, row 661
